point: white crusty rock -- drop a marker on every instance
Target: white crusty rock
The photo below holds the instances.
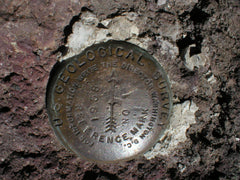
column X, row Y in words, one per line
column 182, row 117
column 86, row 32
column 196, row 60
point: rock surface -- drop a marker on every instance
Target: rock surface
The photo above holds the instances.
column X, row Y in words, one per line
column 197, row 43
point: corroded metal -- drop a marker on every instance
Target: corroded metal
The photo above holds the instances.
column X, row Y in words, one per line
column 109, row 103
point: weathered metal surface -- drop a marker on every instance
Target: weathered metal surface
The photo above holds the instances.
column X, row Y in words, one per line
column 109, row 103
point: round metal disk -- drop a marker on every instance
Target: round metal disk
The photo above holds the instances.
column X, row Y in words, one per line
column 109, row 103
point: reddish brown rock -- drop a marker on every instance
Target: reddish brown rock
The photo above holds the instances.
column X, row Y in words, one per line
column 33, row 33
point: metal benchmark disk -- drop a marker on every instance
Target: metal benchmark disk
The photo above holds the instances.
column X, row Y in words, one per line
column 109, row 103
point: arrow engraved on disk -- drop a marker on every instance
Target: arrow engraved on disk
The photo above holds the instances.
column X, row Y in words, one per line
column 111, row 121
column 111, row 124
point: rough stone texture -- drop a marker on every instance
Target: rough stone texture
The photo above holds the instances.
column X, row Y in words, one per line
column 182, row 117
column 35, row 33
